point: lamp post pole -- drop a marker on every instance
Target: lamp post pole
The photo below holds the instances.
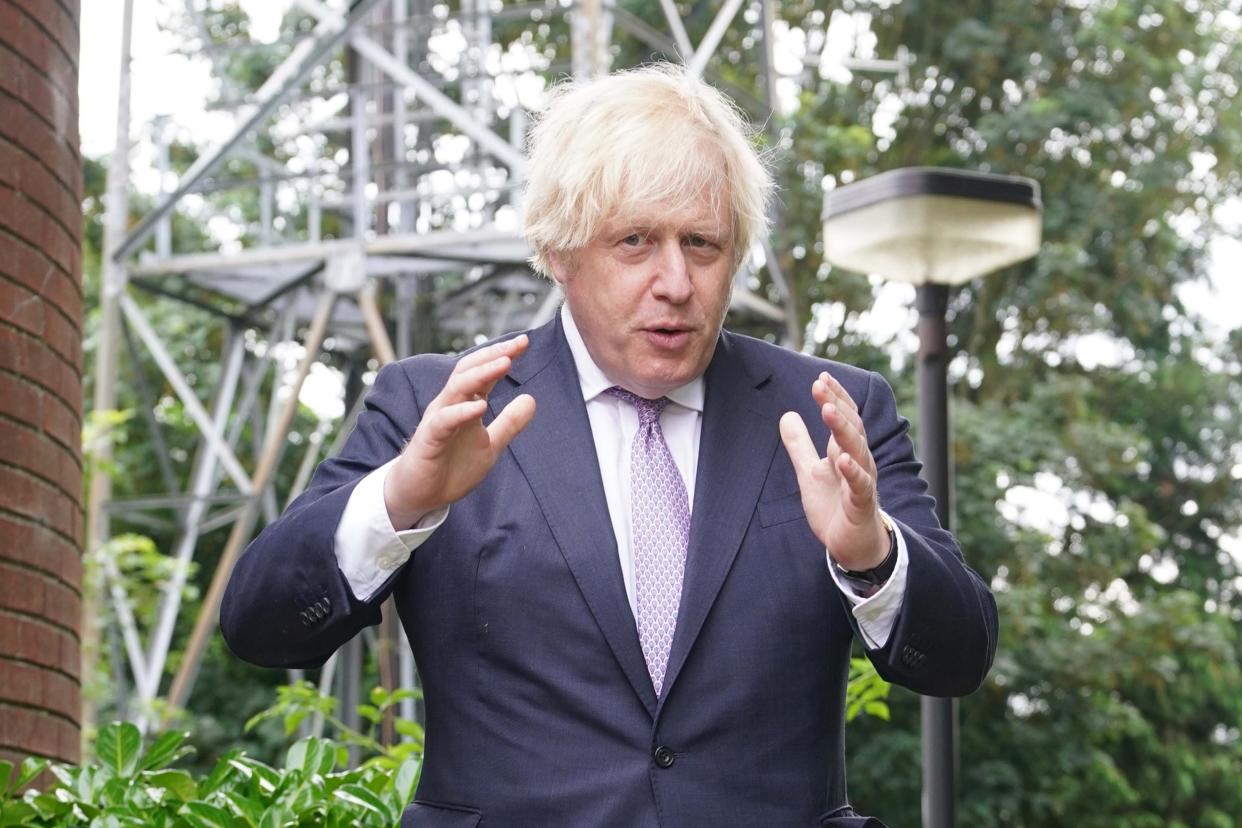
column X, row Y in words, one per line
column 933, row 227
column 939, row 715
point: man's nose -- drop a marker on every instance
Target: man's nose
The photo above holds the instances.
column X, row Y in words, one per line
column 671, row 280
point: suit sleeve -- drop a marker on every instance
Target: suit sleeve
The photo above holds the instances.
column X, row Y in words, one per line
column 944, row 638
column 287, row 603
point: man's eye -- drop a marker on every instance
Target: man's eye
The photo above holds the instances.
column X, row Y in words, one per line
column 698, row 241
column 633, row 239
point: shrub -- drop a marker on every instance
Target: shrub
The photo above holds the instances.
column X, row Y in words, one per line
column 128, row 786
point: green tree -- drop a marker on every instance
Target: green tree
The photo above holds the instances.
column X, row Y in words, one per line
column 1115, row 698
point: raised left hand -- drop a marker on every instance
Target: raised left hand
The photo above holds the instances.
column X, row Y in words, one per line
column 839, row 489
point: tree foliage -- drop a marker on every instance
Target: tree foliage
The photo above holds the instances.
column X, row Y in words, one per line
column 1096, row 436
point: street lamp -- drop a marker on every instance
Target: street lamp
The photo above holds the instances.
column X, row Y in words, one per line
column 933, row 228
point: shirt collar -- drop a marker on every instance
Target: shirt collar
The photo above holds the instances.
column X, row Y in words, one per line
column 594, row 382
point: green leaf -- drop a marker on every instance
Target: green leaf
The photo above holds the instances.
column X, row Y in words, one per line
column 248, row 808
column 178, row 783
column 203, row 815
column 265, row 780
column 220, row 775
column 277, row 816
column 405, row 780
column 408, row 728
column 359, row 796
column 164, row 750
column 293, row 721
column 17, row 813
column 48, row 806
column 311, row 755
column 117, row 748
column 6, row 777
column 31, row 767
column 403, row 694
column 296, row 755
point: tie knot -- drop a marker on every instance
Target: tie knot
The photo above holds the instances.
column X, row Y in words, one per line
column 648, row 410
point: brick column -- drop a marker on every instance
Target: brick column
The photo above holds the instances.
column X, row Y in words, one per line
column 40, row 379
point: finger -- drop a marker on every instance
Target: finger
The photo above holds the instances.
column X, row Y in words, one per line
column 836, row 391
column 859, row 484
column 511, row 348
column 846, row 433
column 477, row 382
column 834, row 450
column 798, row 444
column 450, row 418
column 512, row 419
column 824, row 394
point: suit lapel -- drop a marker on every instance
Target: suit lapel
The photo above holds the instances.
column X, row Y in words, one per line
column 735, row 449
column 557, row 456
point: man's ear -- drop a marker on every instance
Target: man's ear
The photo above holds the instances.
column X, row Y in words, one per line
column 560, row 263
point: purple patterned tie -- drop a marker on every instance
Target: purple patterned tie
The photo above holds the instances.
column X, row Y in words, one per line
column 659, row 530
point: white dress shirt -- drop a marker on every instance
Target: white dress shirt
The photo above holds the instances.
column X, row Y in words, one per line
column 368, row 548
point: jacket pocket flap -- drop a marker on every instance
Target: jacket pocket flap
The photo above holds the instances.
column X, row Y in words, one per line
column 781, row 509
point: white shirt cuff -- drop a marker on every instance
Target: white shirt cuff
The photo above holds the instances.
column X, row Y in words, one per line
column 877, row 613
column 368, row 548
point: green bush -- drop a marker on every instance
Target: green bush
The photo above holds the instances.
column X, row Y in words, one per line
column 128, row 786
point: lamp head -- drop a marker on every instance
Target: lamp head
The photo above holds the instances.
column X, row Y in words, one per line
column 930, row 225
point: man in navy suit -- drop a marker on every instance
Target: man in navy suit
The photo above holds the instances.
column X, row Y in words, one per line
column 630, row 606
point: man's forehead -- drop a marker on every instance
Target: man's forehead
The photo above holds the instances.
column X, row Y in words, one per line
column 702, row 212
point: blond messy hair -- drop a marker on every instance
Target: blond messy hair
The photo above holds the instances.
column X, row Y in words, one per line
column 620, row 144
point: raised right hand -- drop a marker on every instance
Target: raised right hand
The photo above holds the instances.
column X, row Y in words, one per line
column 451, row 451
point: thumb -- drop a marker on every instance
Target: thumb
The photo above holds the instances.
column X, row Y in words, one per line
column 512, row 419
column 798, row 444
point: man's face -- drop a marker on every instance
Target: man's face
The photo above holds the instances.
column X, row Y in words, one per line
column 649, row 293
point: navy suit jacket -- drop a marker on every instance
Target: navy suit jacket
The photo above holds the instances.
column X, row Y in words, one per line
column 539, row 708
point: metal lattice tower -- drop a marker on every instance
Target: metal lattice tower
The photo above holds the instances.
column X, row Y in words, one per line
column 399, row 213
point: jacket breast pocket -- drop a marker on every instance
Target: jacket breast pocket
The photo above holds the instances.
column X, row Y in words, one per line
column 436, row 815
column 781, row 509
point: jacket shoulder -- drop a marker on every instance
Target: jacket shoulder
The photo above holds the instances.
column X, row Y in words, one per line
column 796, row 369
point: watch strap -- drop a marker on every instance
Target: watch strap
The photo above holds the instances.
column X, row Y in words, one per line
column 880, row 573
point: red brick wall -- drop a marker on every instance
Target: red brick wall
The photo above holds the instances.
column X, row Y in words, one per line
column 40, row 379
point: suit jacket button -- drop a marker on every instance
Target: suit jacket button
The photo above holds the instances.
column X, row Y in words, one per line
column 664, row 757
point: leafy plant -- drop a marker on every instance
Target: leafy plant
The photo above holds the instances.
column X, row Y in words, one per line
column 129, row 786
column 297, row 701
column 866, row 691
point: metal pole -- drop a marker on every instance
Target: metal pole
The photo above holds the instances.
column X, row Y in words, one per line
column 147, row 405
column 678, row 29
column 386, row 652
column 203, row 480
column 707, row 46
column 193, row 406
column 163, row 228
column 381, row 345
column 286, row 79
column 939, row 715
column 106, row 353
column 208, row 615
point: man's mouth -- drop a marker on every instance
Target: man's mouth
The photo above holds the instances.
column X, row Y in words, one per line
column 667, row 336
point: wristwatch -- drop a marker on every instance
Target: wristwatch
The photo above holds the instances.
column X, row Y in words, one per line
column 874, row 578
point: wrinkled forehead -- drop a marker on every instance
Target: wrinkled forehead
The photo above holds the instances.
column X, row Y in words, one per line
column 704, row 208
